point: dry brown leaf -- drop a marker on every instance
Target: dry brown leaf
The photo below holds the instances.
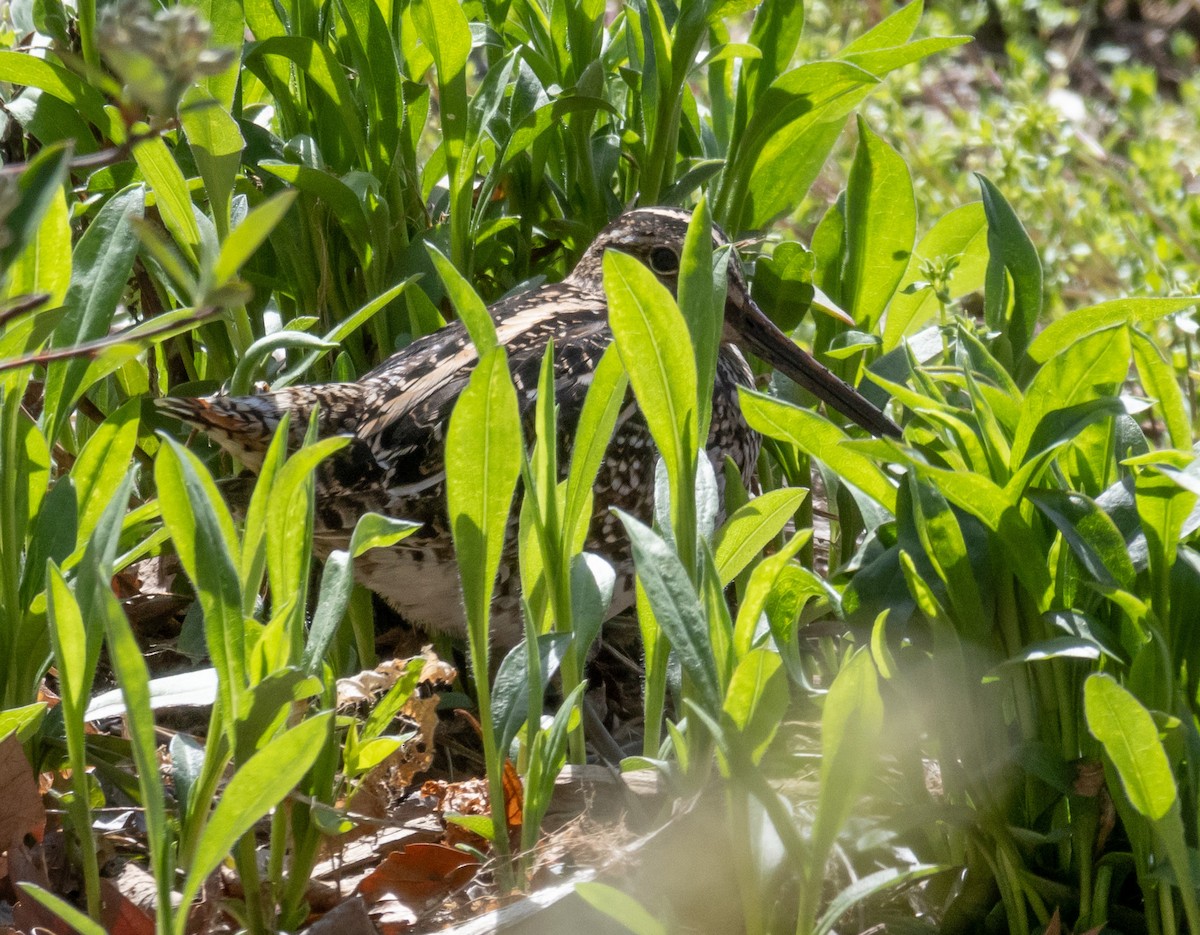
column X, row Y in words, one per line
column 121, row 915
column 348, row 918
column 419, row 875
column 21, row 809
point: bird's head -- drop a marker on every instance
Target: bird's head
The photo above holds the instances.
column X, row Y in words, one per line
column 655, row 236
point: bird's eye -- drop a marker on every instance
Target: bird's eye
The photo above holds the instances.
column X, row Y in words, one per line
column 664, row 261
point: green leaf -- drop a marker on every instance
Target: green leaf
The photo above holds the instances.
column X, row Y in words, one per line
column 290, row 519
column 202, row 531
column 1086, row 369
column 752, row 527
column 676, row 607
column 125, row 656
column 881, row 226
column 244, row 239
column 38, row 259
column 757, row 699
column 1158, row 378
column 601, row 408
column 171, row 195
column 372, row 531
column 484, row 447
column 647, row 328
column 79, row 921
column 788, row 140
column 1130, row 738
column 102, row 464
column 321, row 70
column 851, row 725
column 960, row 233
column 942, row 538
column 1012, row 254
column 1074, row 326
column 622, row 907
column 102, row 262
column 891, row 31
column 820, row 439
column 21, row 68
column 341, row 199
column 1091, row 534
column 470, row 308
column 259, row 785
column 510, row 693
column 216, row 143
column 702, row 304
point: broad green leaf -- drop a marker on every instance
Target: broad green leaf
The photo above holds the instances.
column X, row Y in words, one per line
column 258, row 785
column 820, row 439
column 752, row 527
column 484, row 448
column 676, row 607
column 103, row 462
column 851, row 725
column 171, row 195
column 1093, row 366
column 601, row 408
column 648, row 329
column 757, row 699
column 881, row 61
column 702, row 304
column 1130, row 738
column 1091, row 534
column 960, row 233
column 891, row 31
column 1159, row 379
column 44, row 265
column 101, row 264
column 942, row 539
column 22, row 68
column 216, row 143
column 202, row 531
column 788, row 140
column 881, row 227
column 1074, row 326
column 1012, row 254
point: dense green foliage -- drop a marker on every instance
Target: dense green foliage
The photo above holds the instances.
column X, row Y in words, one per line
column 993, row 692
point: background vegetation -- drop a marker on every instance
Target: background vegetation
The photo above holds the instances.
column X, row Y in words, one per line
column 982, row 718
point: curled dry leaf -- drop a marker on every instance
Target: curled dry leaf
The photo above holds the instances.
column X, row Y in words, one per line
column 370, row 683
column 470, row 797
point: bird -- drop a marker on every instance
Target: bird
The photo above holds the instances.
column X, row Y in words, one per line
column 396, row 417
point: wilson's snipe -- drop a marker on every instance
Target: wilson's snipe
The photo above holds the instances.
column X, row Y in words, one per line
column 396, row 416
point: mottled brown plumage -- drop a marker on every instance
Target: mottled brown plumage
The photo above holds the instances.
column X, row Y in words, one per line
column 396, row 417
